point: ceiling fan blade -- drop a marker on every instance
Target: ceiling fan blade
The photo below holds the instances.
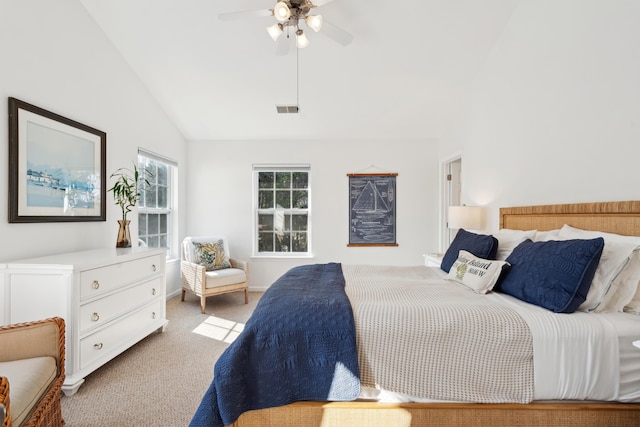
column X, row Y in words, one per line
column 244, row 14
column 336, row 33
column 282, row 45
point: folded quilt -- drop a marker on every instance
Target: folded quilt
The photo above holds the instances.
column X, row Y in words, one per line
column 299, row 344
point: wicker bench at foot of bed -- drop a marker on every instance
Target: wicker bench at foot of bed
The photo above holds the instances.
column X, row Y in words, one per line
column 371, row 414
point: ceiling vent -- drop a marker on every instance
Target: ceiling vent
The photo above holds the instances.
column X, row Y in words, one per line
column 287, row 109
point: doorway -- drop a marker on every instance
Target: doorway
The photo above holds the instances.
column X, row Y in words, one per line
column 451, row 173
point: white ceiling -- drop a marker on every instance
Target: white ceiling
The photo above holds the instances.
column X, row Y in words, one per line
column 404, row 76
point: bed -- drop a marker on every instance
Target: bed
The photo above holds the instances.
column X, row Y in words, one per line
column 599, row 398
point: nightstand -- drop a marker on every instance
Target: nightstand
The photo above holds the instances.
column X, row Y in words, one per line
column 433, row 259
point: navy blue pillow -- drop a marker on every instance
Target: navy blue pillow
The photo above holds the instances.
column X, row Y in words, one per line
column 481, row 245
column 555, row 275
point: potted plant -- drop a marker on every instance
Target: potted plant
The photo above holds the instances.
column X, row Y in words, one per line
column 126, row 193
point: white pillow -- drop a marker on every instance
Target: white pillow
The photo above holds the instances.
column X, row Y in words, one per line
column 545, row 236
column 624, row 286
column 609, row 287
column 476, row 273
column 633, row 306
column 187, row 247
column 508, row 239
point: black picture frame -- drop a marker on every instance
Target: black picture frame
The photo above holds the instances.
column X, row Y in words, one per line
column 372, row 209
column 57, row 167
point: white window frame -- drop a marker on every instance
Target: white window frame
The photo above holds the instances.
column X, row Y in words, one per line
column 257, row 168
column 170, row 210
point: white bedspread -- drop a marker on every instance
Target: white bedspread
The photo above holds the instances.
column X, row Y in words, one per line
column 421, row 336
column 578, row 356
column 575, row 355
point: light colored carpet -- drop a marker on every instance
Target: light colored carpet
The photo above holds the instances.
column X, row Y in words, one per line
column 161, row 380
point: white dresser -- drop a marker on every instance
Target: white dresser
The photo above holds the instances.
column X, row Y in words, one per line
column 109, row 298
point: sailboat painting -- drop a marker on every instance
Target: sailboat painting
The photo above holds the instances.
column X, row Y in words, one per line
column 372, row 209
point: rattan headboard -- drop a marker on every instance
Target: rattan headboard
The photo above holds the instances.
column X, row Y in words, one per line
column 612, row 217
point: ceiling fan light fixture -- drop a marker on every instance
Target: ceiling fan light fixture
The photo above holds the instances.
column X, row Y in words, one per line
column 274, row 31
column 314, row 22
column 281, row 11
column 301, row 40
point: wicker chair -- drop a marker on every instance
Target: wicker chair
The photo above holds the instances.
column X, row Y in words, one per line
column 203, row 283
column 44, row 338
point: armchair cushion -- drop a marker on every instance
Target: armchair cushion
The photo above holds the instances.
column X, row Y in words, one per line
column 211, row 255
column 228, row 276
column 29, row 380
column 33, row 340
column 32, row 357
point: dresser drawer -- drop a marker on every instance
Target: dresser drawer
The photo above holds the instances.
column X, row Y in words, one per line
column 104, row 279
column 111, row 339
column 105, row 309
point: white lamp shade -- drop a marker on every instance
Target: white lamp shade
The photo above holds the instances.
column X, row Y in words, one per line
column 281, row 11
column 274, row 31
column 301, row 39
column 314, row 22
column 467, row 217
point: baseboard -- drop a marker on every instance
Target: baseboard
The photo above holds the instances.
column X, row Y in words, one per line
column 173, row 294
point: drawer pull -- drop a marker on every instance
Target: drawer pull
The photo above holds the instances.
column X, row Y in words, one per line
column 153, row 267
column 96, row 284
column 153, row 315
column 98, row 346
column 153, row 291
column 95, row 317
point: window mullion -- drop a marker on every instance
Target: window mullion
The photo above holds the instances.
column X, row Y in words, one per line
column 284, row 185
column 155, row 221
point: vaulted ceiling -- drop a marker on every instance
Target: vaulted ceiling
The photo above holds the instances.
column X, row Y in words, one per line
column 404, row 76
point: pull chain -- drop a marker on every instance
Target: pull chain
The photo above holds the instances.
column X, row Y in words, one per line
column 298, row 77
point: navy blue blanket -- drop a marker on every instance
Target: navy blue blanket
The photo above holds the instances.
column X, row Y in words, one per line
column 299, row 344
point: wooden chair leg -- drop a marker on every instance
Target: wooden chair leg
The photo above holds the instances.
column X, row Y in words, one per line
column 203, row 303
column 182, row 297
column 246, row 296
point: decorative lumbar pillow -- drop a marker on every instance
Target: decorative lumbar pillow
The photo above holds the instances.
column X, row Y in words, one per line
column 211, row 255
column 480, row 245
column 555, row 275
column 476, row 273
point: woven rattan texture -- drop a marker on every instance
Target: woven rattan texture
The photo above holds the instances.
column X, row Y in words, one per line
column 4, row 399
column 370, row 414
column 48, row 411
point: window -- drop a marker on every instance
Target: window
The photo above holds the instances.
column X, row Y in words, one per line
column 282, row 214
column 155, row 208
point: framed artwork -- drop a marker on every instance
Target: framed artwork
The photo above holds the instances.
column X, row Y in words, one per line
column 372, row 209
column 56, row 167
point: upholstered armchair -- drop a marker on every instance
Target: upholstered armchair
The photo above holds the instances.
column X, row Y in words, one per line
column 32, row 357
column 207, row 269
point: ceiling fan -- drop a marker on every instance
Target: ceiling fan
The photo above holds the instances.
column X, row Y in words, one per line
column 289, row 15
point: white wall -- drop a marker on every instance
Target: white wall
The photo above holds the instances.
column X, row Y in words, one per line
column 555, row 113
column 554, row 117
column 220, row 197
column 55, row 57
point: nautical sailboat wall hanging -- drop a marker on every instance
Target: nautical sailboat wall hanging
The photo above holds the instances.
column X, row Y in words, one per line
column 372, row 209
